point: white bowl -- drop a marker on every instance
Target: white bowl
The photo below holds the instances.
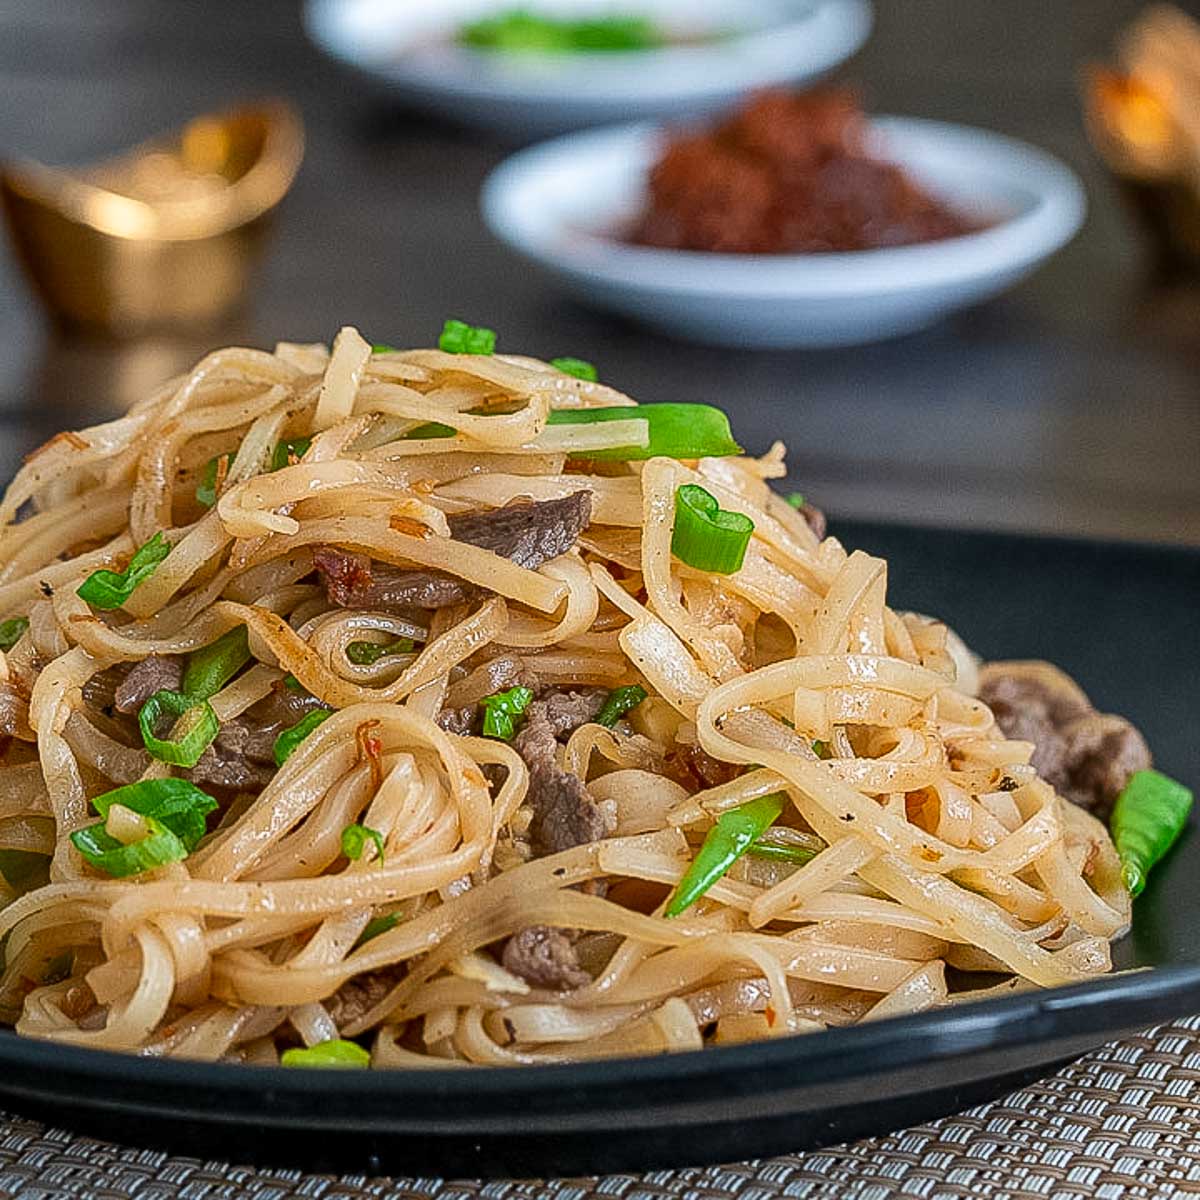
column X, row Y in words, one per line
column 562, row 204
column 409, row 45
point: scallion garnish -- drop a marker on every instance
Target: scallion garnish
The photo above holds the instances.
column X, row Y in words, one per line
column 110, row 589
column 797, row 500
column 336, row 1053
column 211, row 667
column 620, row 701
column 355, row 839
column 363, row 654
column 1147, row 819
column 194, row 727
column 286, row 452
column 783, row 853
column 706, row 536
column 503, row 710
column 579, row 367
column 175, row 813
column 289, row 740
column 684, row 431
column 382, row 348
column 733, row 834
column 12, row 631
column 457, row 337
column 377, row 925
column 206, row 489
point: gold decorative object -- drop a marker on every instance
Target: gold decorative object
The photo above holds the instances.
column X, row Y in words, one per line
column 163, row 235
column 1144, row 119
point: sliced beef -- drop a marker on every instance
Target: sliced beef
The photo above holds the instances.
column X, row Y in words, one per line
column 564, row 813
column 457, row 720
column 242, row 757
column 815, row 519
column 355, row 581
column 544, row 957
column 155, row 673
column 567, row 711
column 528, row 533
column 356, row 997
column 1086, row 756
column 696, row 769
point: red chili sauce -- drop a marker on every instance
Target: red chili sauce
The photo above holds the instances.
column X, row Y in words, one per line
column 787, row 174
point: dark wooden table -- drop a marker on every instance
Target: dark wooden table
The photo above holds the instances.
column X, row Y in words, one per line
column 1070, row 405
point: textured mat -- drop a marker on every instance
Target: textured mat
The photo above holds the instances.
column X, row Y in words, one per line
column 1122, row 1123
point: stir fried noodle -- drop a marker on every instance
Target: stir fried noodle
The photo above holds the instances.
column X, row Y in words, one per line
column 443, row 854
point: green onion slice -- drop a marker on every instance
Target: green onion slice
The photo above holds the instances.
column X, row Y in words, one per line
column 684, row 431
column 289, row 740
column 110, row 589
column 797, row 500
column 1147, row 819
column 355, row 839
column 285, row 451
column 377, row 925
column 175, row 812
column 579, row 367
column 382, row 348
column 620, row 701
column 363, row 654
column 206, row 488
column 194, row 727
column 211, row 667
column 519, row 31
column 707, row 537
column 12, row 631
column 733, row 834
column 503, row 710
column 336, row 1053
column 457, row 337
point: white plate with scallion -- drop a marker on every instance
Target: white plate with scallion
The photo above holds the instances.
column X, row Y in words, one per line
column 565, row 205
column 532, row 67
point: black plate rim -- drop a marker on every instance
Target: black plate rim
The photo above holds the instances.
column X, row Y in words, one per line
column 1096, row 1009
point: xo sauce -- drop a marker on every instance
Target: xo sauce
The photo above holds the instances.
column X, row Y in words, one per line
column 787, row 174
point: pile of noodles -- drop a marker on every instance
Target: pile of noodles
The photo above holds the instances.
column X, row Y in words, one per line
column 945, row 853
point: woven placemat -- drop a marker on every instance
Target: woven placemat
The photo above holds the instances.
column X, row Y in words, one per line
column 1122, row 1123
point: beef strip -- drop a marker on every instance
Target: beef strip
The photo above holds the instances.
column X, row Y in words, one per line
column 155, row 673
column 544, row 957
column 564, row 813
column 815, row 519
column 356, row 997
column 14, row 713
column 528, row 533
column 1086, row 756
column 457, row 720
column 242, row 757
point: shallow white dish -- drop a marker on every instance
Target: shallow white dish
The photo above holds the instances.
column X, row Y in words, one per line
column 409, row 45
column 562, row 204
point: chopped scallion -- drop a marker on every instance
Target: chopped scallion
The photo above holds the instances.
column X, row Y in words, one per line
column 336, row 1053
column 289, row 740
column 734, row 833
column 503, row 710
column 206, row 488
column 12, row 631
column 363, row 654
column 377, row 925
column 194, row 727
column 706, row 536
column 355, row 839
column 457, row 337
column 111, row 589
column 211, row 667
column 287, row 451
column 579, row 367
column 620, row 701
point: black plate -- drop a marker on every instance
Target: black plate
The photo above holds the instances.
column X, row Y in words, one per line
column 1122, row 619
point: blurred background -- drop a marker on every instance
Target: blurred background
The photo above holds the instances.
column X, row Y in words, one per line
column 1069, row 405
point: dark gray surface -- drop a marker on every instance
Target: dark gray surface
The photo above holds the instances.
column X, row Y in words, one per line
column 1070, row 405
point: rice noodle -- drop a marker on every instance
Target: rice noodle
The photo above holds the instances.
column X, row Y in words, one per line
column 915, row 838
